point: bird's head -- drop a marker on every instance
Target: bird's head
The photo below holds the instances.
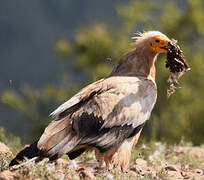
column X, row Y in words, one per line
column 141, row 58
column 154, row 40
column 160, row 44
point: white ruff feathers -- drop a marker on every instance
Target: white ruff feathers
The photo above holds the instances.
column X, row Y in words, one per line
column 148, row 34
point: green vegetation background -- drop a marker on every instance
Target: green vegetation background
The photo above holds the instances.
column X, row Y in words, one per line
column 95, row 49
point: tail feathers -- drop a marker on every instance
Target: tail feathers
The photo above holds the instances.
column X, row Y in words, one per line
column 29, row 152
column 63, row 147
column 57, row 134
column 57, row 139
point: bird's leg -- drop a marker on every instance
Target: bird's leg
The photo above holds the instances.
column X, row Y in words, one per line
column 109, row 163
column 99, row 158
column 118, row 157
column 107, row 158
column 121, row 158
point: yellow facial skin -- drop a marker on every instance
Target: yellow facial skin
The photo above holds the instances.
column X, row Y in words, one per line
column 159, row 44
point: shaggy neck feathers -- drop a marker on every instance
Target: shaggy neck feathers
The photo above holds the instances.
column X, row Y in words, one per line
column 138, row 62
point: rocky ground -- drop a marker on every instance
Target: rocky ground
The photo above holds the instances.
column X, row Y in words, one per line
column 153, row 161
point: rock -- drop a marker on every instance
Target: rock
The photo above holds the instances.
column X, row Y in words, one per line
column 198, row 178
column 60, row 175
column 4, row 148
column 62, row 163
column 7, row 175
column 86, row 174
column 175, row 175
column 172, row 168
column 109, row 176
column 141, row 162
column 132, row 173
column 199, row 171
column 187, row 175
column 73, row 164
column 139, row 169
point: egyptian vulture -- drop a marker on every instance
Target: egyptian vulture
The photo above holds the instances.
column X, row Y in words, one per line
column 106, row 116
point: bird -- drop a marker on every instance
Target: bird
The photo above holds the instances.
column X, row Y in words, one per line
column 108, row 115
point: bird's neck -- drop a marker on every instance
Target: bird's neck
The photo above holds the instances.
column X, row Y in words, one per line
column 137, row 62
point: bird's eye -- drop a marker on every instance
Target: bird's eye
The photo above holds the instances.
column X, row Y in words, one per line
column 157, row 40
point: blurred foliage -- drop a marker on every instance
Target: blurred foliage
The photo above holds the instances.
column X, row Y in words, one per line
column 13, row 142
column 96, row 48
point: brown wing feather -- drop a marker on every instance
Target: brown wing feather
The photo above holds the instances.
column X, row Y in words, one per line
column 54, row 133
column 58, row 138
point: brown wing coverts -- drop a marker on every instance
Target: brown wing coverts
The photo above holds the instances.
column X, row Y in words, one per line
column 91, row 133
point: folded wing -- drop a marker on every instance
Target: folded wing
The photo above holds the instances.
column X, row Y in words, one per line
column 102, row 116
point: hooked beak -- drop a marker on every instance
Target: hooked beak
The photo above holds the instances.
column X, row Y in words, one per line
column 166, row 46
